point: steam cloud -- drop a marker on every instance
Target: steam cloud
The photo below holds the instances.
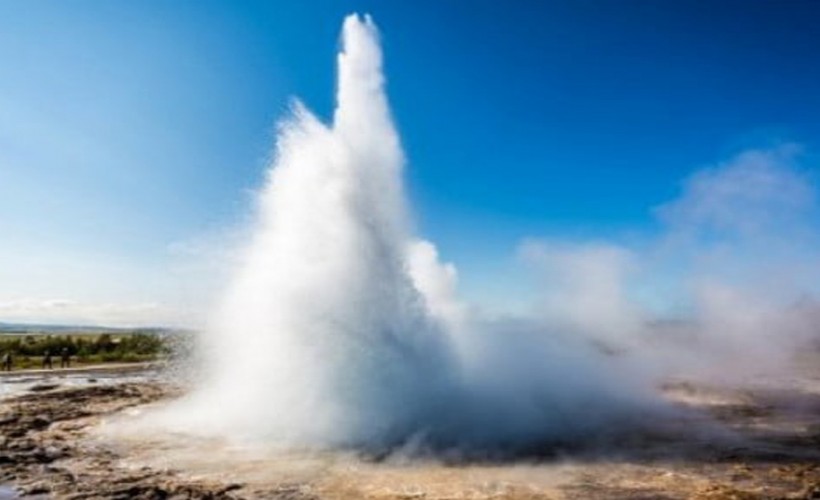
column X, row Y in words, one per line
column 343, row 329
column 725, row 291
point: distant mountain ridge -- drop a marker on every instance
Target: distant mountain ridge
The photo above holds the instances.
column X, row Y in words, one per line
column 50, row 329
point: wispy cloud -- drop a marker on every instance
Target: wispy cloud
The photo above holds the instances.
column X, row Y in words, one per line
column 65, row 311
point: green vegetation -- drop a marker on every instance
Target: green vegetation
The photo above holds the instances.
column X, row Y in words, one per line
column 28, row 349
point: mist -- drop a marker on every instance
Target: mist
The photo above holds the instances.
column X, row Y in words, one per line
column 724, row 291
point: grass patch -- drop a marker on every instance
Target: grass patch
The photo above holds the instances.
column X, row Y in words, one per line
column 28, row 351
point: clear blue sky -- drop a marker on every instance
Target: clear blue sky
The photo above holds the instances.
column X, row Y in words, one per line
column 129, row 129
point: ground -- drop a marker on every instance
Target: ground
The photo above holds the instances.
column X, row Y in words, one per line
column 50, row 447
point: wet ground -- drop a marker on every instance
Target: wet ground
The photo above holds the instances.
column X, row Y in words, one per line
column 53, row 444
column 22, row 381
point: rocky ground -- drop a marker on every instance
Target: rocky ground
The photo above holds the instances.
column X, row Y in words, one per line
column 45, row 452
column 42, row 452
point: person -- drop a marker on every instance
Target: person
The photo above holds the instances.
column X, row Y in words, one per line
column 47, row 360
column 65, row 358
column 7, row 362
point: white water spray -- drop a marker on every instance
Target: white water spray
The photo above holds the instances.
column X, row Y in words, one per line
column 343, row 330
column 323, row 336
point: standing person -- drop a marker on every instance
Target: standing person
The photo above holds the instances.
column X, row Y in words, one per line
column 47, row 360
column 7, row 362
column 65, row 358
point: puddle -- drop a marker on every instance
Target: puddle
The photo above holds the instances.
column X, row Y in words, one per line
column 8, row 493
column 11, row 385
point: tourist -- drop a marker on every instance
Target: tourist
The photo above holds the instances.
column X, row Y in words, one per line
column 47, row 360
column 65, row 358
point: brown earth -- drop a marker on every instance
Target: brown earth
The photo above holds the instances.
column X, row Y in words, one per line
column 42, row 451
column 46, row 451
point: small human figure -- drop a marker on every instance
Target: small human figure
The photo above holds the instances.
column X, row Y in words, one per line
column 65, row 358
column 47, row 360
column 7, row 362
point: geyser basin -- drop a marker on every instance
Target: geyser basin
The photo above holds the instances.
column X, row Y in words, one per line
column 342, row 329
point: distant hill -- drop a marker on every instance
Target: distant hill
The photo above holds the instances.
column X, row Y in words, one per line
column 46, row 329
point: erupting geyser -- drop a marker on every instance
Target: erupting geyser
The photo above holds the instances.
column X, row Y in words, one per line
column 325, row 338
column 340, row 328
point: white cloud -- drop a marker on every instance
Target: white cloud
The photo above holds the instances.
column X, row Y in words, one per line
column 65, row 311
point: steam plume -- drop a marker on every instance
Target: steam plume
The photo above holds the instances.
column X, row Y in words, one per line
column 343, row 329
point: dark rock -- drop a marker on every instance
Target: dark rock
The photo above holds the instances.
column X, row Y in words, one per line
column 16, row 433
column 44, row 387
column 8, row 418
column 39, row 488
column 228, row 488
column 46, row 455
column 39, row 423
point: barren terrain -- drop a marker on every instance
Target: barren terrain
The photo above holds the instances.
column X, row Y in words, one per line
column 768, row 447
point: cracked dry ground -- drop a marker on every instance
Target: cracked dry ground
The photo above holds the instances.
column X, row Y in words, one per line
column 45, row 453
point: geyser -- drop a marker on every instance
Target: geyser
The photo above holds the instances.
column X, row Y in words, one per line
column 324, row 338
column 341, row 329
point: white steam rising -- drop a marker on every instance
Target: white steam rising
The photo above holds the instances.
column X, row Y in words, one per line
column 342, row 329
column 726, row 290
column 324, row 337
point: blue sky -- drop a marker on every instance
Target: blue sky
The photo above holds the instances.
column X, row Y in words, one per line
column 131, row 130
